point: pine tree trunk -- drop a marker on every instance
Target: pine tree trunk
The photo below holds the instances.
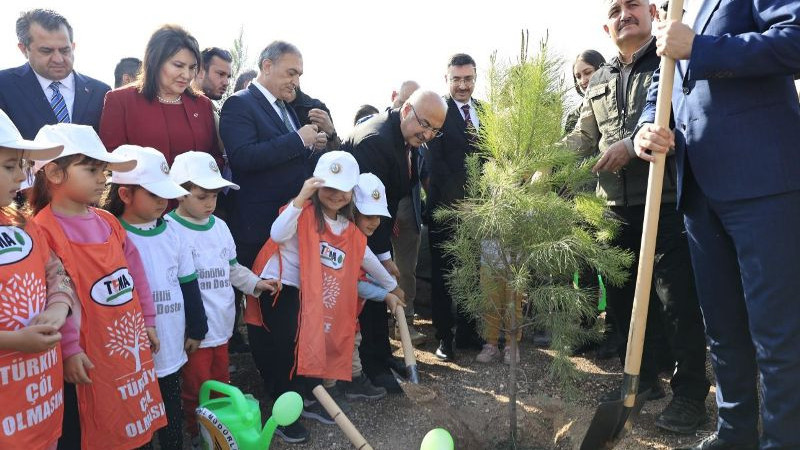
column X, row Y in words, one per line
column 511, row 339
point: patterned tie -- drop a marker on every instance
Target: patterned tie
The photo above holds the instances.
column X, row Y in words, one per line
column 284, row 114
column 467, row 118
column 58, row 104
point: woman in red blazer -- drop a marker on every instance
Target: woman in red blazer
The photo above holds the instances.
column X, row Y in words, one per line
column 161, row 110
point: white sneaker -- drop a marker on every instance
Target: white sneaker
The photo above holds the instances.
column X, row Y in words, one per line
column 488, row 354
column 507, row 354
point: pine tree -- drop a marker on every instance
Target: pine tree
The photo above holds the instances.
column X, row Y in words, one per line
column 239, row 64
column 529, row 217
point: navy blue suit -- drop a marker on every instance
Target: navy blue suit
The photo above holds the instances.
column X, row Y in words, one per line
column 737, row 125
column 268, row 161
column 22, row 98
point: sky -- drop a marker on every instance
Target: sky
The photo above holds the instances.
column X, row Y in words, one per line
column 354, row 52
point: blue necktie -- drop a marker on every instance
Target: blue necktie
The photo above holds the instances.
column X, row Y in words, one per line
column 58, row 104
column 284, row 114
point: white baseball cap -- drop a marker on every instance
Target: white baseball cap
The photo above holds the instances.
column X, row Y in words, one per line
column 80, row 140
column 339, row 170
column 369, row 196
column 199, row 168
column 151, row 172
column 10, row 137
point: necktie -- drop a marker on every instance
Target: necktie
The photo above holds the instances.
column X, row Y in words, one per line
column 284, row 114
column 467, row 118
column 58, row 104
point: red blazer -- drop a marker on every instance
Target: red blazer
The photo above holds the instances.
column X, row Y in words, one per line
column 129, row 118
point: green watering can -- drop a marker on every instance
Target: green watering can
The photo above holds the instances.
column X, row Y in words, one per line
column 233, row 421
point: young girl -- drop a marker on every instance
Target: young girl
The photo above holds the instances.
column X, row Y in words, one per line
column 214, row 255
column 318, row 255
column 138, row 199
column 35, row 298
column 111, row 399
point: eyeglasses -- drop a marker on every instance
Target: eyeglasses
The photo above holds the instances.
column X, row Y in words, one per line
column 467, row 81
column 425, row 124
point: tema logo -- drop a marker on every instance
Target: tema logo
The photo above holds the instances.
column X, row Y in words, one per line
column 15, row 245
column 114, row 289
column 331, row 256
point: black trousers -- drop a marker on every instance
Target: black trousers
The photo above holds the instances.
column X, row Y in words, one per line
column 71, row 424
column 441, row 300
column 274, row 347
column 171, row 436
column 375, row 350
column 674, row 312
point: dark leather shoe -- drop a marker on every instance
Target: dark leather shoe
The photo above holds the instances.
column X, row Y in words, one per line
column 713, row 442
column 683, row 415
column 445, row 350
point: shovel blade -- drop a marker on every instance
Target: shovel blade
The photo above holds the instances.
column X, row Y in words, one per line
column 611, row 422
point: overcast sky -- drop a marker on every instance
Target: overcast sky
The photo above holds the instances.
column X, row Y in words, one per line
column 354, row 52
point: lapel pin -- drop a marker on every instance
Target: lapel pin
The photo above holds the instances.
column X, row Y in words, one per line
column 196, row 115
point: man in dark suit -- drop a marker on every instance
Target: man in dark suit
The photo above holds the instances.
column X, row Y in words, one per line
column 385, row 145
column 446, row 157
column 737, row 127
column 270, row 153
column 46, row 90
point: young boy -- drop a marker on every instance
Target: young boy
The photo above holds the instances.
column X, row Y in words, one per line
column 214, row 255
column 369, row 197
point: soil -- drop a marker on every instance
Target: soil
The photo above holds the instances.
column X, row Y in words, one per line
column 470, row 400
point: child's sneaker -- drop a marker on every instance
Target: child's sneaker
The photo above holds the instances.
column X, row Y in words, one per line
column 507, row 354
column 488, row 354
column 362, row 388
column 313, row 409
column 293, row 433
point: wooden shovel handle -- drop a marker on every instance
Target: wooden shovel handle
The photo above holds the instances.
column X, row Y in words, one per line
column 644, row 275
column 405, row 336
column 342, row 421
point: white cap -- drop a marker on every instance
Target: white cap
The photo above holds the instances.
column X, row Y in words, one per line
column 369, row 196
column 339, row 170
column 151, row 172
column 81, row 140
column 199, row 168
column 11, row 138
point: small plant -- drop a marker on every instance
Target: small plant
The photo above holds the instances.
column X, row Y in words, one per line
column 528, row 218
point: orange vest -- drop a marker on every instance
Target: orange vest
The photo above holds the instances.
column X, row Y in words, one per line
column 329, row 270
column 31, row 384
column 122, row 407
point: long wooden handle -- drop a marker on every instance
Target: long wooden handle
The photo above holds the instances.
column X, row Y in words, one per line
column 344, row 423
column 655, row 180
column 405, row 336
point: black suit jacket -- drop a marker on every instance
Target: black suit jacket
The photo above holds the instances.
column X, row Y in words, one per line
column 446, row 157
column 22, row 98
column 379, row 147
column 268, row 161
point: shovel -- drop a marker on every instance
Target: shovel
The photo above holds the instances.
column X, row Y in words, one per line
column 412, row 388
column 613, row 419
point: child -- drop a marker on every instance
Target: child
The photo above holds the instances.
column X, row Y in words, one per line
column 312, row 237
column 214, row 255
column 369, row 199
column 138, row 199
column 111, row 387
column 35, row 298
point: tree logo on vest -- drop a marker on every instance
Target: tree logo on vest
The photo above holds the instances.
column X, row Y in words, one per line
column 15, row 245
column 23, row 298
column 330, row 290
column 127, row 337
column 331, row 256
column 114, row 289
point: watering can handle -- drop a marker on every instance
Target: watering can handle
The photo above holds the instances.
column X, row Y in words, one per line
column 232, row 392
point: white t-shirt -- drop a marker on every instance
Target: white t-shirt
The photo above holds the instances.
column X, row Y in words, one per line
column 213, row 252
column 167, row 260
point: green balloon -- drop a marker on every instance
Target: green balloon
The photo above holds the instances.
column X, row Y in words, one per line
column 287, row 408
column 437, row 439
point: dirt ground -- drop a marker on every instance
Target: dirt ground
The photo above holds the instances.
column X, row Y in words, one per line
column 471, row 402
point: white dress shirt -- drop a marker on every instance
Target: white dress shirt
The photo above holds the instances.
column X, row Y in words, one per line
column 67, row 90
column 272, row 99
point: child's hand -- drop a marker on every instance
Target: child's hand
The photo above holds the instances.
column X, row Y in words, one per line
column 392, row 302
column 401, row 296
column 155, row 344
column 273, row 286
column 32, row 339
column 76, row 369
column 54, row 315
column 309, row 187
column 191, row 345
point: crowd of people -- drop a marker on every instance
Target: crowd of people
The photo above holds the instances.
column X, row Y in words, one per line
column 140, row 223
